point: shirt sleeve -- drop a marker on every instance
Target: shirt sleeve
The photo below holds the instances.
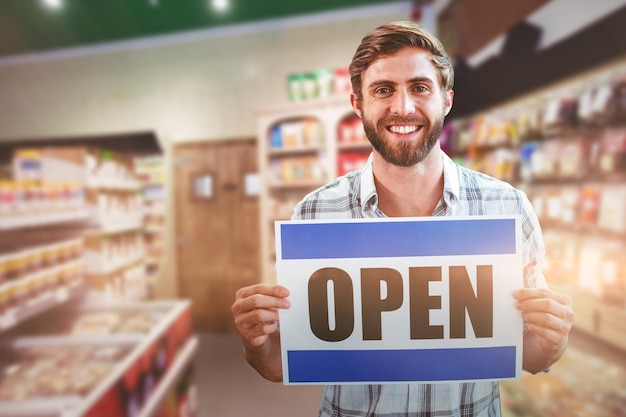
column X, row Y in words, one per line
column 533, row 247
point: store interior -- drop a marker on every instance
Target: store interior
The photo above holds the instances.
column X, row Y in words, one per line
column 142, row 170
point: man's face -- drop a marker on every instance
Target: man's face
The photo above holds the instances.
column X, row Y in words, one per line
column 403, row 106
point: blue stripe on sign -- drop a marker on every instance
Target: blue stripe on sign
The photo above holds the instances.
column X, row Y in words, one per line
column 397, row 239
column 423, row 365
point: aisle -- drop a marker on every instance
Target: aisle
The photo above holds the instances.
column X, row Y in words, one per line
column 590, row 377
column 229, row 387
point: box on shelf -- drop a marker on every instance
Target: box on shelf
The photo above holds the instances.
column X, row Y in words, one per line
column 311, row 85
column 296, row 133
column 77, row 164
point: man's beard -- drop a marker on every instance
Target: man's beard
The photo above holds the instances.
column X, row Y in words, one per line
column 402, row 153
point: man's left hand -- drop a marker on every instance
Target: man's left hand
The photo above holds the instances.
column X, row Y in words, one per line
column 549, row 316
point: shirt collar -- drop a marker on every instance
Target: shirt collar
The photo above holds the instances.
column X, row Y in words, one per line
column 369, row 196
column 451, row 186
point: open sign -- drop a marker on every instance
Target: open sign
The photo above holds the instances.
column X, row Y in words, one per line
column 400, row 300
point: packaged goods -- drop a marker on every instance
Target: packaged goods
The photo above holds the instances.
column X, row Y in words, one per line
column 612, row 154
column 350, row 161
column 40, row 372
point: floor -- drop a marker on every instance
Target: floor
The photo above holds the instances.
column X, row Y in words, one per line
column 228, row 387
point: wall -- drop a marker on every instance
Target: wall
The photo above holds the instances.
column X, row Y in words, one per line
column 191, row 87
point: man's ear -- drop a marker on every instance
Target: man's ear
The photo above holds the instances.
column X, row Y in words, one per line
column 356, row 103
column 448, row 97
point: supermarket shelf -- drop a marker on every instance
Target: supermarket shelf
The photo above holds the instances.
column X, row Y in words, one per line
column 121, row 224
column 603, row 321
column 42, row 219
column 96, row 265
column 296, row 185
column 153, row 229
column 354, row 146
column 139, row 344
column 185, row 357
column 294, row 150
column 113, row 184
column 16, row 315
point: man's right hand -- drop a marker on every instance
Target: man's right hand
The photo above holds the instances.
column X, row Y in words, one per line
column 256, row 311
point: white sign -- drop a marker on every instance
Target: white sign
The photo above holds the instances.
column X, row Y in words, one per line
column 400, row 300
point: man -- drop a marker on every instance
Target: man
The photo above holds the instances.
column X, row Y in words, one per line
column 402, row 90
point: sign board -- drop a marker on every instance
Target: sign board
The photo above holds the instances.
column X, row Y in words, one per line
column 400, row 300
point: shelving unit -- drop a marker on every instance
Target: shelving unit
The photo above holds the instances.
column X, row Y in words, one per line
column 150, row 170
column 137, row 365
column 72, row 228
column 565, row 146
column 43, row 219
column 300, row 146
column 40, row 304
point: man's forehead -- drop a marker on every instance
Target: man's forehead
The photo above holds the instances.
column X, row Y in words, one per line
column 408, row 64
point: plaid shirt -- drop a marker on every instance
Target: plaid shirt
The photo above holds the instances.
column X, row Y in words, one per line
column 466, row 192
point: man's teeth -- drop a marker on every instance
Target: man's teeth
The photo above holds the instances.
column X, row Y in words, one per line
column 403, row 130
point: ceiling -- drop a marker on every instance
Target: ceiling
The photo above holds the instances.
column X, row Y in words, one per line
column 33, row 26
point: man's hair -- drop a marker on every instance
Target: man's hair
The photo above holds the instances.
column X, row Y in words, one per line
column 388, row 39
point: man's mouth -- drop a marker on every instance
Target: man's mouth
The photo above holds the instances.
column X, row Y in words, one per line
column 403, row 129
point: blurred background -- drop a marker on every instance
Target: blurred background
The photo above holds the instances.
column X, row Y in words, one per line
column 147, row 146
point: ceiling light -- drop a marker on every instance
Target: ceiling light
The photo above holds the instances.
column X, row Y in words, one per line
column 55, row 4
column 219, row 5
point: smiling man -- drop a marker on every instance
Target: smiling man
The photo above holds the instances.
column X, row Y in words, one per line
column 402, row 90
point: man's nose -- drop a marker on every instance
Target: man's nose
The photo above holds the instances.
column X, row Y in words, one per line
column 403, row 103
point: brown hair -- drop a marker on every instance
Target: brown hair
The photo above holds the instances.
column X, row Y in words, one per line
column 388, row 39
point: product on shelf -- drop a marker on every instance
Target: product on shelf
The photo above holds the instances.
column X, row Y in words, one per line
column 150, row 169
column 561, row 257
column 573, row 158
column 351, row 160
column 612, row 209
column 116, row 209
column 298, row 133
column 593, row 103
column 30, row 272
column 296, row 169
column 588, row 205
column 616, row 106
column 20, row 198
column 545, row 160
column 528, row 123
column 317, row 84
column 527, row 149
column 341, row 81
column 612, row 157
column 350, row 130
column 83, row 165
column 461, row 136
column 560, row 113
column 499, row 163
column 46, row 372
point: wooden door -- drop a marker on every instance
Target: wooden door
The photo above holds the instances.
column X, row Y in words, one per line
column 217, row 227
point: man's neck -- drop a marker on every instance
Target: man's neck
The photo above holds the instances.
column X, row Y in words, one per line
column 409, row 191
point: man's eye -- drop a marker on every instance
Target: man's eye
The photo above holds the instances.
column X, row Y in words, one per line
column 421, row 89
column 383, row 90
